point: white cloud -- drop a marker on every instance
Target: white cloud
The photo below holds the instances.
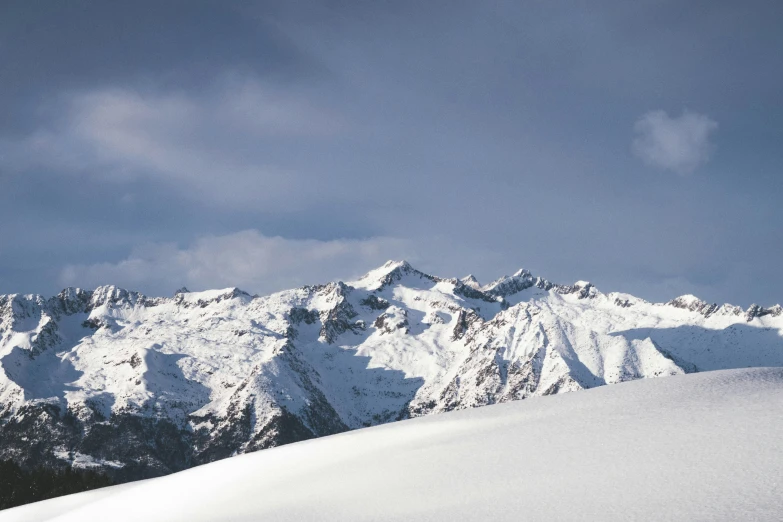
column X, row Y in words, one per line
column 215, row 147
column 679, row 144
column 248, row 259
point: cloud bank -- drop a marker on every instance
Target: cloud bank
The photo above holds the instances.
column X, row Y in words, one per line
column 248, row 259
column 678, row 144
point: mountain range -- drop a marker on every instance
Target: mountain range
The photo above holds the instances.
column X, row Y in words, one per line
column 139, row 386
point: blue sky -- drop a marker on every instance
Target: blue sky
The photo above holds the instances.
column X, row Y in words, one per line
column 210, row 144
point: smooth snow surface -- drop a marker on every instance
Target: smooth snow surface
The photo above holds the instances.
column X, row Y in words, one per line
column 692, row 447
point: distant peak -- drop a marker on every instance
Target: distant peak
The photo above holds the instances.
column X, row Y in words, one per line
column 72, row 293
column 387, row 268
column 110, row 291
column 687, row 298
column 110, row 294
column 386, row 274
column 391, row 265
column 694, row 304
column 471, row 281
column 585, row 289
column 508, row 285
column 755, row 310
column 523, row 279
column 72, row 300
column 210, row 296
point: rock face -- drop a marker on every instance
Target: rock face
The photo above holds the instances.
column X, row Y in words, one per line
column 140, row 386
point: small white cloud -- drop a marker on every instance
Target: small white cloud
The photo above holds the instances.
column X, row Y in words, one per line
column 679, row 144
column 248, row 259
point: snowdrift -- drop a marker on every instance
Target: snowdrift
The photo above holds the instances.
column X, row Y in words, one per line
column 701, row 446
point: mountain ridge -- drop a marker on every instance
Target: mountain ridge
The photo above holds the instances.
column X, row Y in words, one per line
column 496, row 287
column 141, row 386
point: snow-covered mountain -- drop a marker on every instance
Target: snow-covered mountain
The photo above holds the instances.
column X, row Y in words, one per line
column 144, row 386
column 693, row 447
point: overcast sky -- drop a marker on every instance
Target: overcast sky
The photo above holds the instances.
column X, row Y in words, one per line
column 210, row 144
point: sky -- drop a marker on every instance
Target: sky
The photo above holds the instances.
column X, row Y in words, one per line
column 267, row 145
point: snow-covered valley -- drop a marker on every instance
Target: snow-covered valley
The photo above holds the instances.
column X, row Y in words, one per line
column 693, row 447
column 140, row 387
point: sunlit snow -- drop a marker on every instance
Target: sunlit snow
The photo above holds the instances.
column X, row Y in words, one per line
column 695, row 447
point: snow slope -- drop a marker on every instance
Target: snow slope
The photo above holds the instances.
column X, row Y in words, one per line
column 696, row 447
column 145, row 386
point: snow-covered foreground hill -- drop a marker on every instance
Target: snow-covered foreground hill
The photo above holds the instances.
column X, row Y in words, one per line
column 141, row 386
column 695, row 447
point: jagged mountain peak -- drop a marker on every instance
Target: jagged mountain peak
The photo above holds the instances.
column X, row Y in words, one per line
column 505, row 285
column 755, row 310
column 389, row 272
column 694, row 304
column 521, row 280
column 111, row 294
column 471, row 281
column 686, row 298
column 206, row 297
column 72, row 293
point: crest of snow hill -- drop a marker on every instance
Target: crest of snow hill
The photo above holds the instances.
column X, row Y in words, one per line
column 139, row 387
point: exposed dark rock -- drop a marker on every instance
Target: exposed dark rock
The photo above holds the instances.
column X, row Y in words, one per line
column 694, row 305
column 374, row 302
column 387, row 323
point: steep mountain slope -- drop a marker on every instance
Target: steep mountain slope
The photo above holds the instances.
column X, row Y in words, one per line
column 143, row 386
column 694, row 447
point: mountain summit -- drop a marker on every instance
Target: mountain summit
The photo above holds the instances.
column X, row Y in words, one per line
column 140, row 386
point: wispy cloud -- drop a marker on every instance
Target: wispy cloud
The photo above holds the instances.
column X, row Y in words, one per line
column 678, row 144
column 213, row 147
column 248, row 259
